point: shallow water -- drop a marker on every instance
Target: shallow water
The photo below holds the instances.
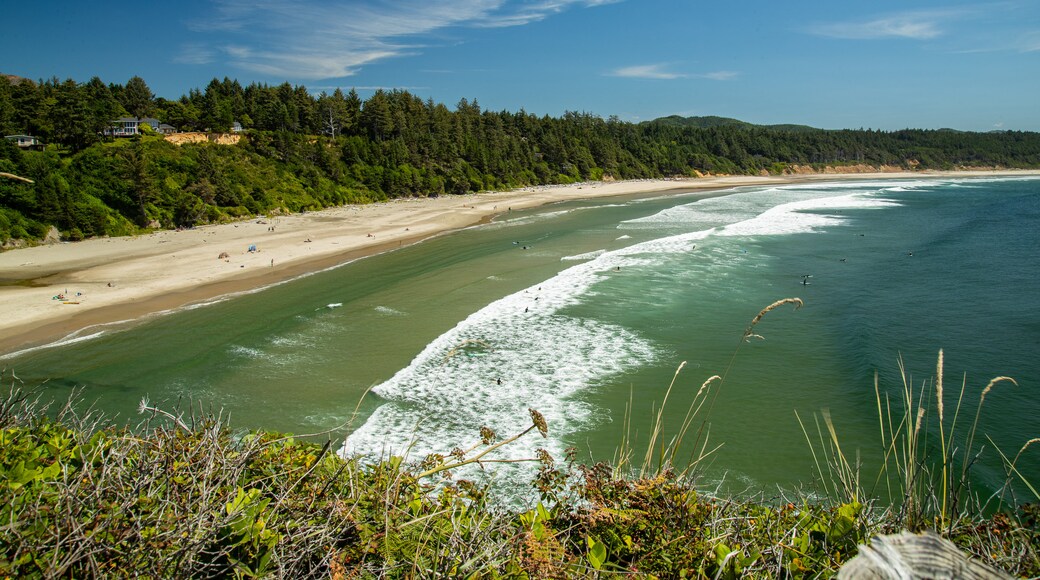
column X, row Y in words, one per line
column 579, row 308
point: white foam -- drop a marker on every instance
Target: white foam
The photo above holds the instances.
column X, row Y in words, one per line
column 387, row 311
column 866, row 185
column 802, row 216
column 293, row 341
column 544, row 358
column 585, row 256
column 202, row 304
column 245, row 351
column 772, row 211
column 70, row 339
column 529, row 218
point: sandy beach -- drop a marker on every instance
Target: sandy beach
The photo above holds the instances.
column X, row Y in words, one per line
column 114, row 279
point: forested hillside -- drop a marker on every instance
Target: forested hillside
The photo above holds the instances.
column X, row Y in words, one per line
column 305, row 151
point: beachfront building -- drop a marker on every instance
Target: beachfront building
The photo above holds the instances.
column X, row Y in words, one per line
column 130, row 126
column 25, row 141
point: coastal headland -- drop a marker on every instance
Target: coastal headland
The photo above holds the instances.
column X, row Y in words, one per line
column 51, row 292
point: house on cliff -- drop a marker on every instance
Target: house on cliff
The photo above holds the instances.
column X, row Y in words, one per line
column 25, row 141
column 130, row 126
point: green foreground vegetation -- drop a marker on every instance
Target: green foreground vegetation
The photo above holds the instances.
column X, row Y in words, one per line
column 182, row 494
column 79, row 498
column 306, row 152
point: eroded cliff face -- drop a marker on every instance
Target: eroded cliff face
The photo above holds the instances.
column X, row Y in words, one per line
column 795, row 169
column 216, row 138
column 847, row 169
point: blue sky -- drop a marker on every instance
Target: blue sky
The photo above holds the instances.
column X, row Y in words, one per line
column 884, row 64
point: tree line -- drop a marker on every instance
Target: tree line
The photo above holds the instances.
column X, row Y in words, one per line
column 306, row 151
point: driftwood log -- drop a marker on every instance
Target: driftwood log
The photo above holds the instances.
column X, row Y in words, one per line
column 909, row 556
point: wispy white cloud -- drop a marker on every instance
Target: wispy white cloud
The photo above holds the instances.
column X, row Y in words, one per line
column 313, row 39
column 721, row 75
column 980, row 27
column 920, row 25
column 194, row 53
column 660, row 71
column 519, row 14
column 348, row 88
column 646, row 71
column 1030, row 42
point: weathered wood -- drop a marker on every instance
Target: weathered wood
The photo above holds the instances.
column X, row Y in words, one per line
column 909, row 556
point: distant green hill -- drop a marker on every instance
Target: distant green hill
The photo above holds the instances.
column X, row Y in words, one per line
column 712, row 121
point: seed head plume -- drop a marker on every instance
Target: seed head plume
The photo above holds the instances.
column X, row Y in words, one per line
column 749, row 333
column 991, row 384
column 539, row 422
column 1026, row 446
column 982, row 400
column 707, row 383
column 939, row 385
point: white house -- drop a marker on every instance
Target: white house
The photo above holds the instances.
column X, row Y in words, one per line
column 24, row 141
column 130, row 126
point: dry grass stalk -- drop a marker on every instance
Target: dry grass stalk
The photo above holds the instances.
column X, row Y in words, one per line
column 708, row 382
column 978, row 411
column 991, row 384
column 659, row 423
column 1012, row 466
column 749, row 332
column 939, row 385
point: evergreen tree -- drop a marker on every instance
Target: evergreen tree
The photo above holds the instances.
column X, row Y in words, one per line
column 375, row 116
column 137, row 98
column 352, row 113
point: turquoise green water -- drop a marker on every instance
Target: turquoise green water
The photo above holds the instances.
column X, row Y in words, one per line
column 578, row 308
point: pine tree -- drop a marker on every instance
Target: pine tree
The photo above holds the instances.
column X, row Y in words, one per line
column 137, row 98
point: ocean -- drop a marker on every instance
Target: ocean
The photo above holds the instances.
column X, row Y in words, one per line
column 584, row 310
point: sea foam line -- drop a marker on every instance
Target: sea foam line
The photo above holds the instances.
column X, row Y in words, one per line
column 67, row 340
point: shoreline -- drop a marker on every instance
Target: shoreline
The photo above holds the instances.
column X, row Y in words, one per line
column 112, row 280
